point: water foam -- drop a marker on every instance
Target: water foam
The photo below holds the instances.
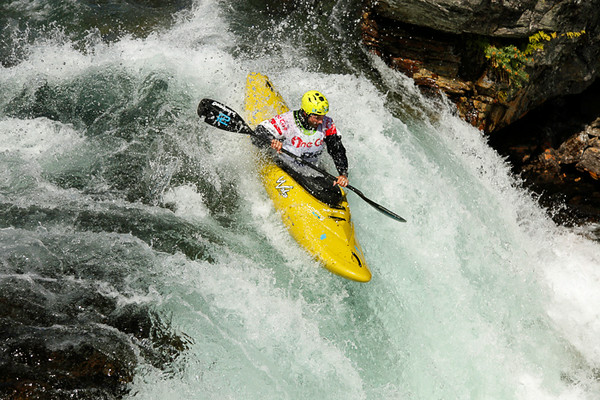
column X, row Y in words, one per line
column 478, row 295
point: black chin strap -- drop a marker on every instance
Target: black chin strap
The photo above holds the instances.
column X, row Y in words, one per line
column 302, row 118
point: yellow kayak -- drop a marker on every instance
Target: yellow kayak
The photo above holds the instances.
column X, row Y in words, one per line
column 326, row 232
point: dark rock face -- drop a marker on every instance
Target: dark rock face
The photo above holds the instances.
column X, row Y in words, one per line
column 583, row 150
column 512, row 18
column 67, row 329
column 441, row 45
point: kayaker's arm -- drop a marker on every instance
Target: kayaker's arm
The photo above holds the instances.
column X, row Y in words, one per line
column 336, row 149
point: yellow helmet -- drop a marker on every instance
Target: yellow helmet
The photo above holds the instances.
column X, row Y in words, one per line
column 314, row 102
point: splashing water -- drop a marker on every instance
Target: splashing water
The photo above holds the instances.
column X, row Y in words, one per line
column 134, row 237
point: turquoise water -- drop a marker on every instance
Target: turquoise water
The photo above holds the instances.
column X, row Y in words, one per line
column 118, row 204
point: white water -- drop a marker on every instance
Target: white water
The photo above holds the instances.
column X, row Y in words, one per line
column 478, row 296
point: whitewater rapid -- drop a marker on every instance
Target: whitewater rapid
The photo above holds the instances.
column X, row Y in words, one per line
column 111, row 188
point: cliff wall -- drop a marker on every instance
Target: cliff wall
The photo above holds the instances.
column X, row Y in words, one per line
column 449, row 44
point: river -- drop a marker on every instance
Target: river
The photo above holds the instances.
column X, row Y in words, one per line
column 138, row 242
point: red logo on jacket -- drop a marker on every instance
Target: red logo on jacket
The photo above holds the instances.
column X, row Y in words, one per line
column 331, row 130
column 298, row 142
column 279, row 123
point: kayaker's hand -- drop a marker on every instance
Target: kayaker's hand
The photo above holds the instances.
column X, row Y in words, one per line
column 342, row 180
column 277, row 145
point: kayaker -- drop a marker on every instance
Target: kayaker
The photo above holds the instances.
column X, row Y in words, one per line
column 305, row 132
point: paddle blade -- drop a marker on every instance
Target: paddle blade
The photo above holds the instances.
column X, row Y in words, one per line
column 378, row 207
column 222, row 117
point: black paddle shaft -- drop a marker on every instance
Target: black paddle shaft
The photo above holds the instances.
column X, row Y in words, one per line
column 224, row 118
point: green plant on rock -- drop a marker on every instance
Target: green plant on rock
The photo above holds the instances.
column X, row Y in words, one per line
column 509, row 62
column 536, row 41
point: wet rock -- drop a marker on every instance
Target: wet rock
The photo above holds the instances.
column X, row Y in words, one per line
column 572, row 149
column 590, row 162
column 555, row 150
column 583, row 150
column 498, row 18
column 546, row 168
column 39, row 366
column 67, row 327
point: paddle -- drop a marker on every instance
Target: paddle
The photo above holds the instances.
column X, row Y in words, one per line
column 223, row 117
